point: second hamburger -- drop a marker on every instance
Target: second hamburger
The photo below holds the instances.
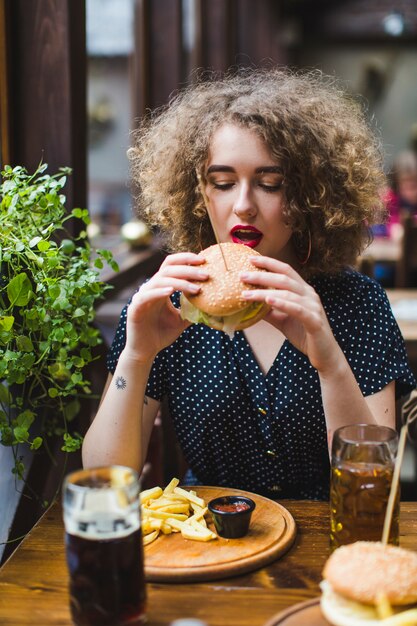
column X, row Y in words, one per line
column 368, row 583
column 219, row 304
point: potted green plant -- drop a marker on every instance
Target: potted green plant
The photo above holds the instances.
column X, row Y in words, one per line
column 49, row 285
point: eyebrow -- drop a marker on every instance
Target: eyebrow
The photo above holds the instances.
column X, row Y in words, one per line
column 264, row 169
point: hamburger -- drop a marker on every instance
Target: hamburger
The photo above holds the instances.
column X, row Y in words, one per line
column 370, row 584
column 219, row 303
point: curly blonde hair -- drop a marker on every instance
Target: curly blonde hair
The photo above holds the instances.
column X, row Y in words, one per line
column 331, row 160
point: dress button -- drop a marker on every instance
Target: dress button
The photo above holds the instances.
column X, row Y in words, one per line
column 262, row 410
column 271, row 453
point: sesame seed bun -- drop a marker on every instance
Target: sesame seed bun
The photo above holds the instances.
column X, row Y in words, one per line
column 221, row 295
column 361, row 570
column 357, row 575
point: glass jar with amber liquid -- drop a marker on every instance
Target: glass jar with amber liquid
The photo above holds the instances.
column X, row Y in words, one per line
column 362, row 467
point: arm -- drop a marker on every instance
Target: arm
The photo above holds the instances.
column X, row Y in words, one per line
column 297, row 311
column 344, row 402
column 121, row 429
column 120, row 432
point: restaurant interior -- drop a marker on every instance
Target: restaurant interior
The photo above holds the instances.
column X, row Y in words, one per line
column 75, row 78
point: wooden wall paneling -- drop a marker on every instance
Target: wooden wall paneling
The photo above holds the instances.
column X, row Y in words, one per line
column 258, row 33
column 158, row 47
column 140, row 64
column 165, row 41
column 6, row 119
column 49, row 88
column 218, row 34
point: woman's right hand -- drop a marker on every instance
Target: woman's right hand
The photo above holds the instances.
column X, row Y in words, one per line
column 153, row 323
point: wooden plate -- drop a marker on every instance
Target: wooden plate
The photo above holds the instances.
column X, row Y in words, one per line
column 173, row 559
column 304, row 614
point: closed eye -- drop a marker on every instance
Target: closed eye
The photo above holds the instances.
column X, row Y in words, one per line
column 271, row 188
column 222, row 186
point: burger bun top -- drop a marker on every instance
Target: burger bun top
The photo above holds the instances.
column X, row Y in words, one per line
column 221, row 294
column 363, row 570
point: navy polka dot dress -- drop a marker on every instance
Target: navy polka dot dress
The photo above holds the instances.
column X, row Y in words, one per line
column 266, row 433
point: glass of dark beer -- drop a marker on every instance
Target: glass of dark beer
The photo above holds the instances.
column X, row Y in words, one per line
column 362, row 467
column 104, row 548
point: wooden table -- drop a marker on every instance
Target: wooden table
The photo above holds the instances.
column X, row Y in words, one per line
column 407, row 326
column 33, row 582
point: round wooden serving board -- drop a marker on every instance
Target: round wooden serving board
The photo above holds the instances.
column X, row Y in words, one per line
column 304, row 614
column 171, row 558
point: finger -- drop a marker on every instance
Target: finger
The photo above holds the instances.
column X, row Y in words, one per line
column 276, row 317
column 307, row 315
column 176, row 284
column 187, row 272
column 276, row 266
column 151, row 295
column 183, row 258
column 272, row 281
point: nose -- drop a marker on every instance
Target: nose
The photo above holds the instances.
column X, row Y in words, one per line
column 244, row 205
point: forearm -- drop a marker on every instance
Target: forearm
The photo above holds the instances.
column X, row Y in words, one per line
column 116, row 434
column 343, row 401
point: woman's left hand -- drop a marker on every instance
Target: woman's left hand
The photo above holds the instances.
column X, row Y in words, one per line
column 296, row 310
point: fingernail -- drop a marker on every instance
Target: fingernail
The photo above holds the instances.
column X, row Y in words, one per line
column 195, row 288
column 244, row 275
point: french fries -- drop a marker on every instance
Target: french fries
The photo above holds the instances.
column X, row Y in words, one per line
column 173, row 510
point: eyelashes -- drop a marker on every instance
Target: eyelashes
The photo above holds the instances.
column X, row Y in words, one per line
column 263, row 186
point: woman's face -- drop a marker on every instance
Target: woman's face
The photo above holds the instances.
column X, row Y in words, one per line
column 246, row 194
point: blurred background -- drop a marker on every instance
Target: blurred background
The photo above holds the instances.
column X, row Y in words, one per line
column 76, row 75
column 371, row 46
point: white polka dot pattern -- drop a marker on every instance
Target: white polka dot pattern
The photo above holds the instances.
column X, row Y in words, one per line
column 239, row 428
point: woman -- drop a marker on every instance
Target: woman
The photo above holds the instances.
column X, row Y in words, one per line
column 290, row 168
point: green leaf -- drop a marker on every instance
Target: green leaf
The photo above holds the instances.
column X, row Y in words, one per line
column 5, row 397
column 6, row 322
column 6, row 436
column 21, row 434
column 19, row 469
column 76, row 378
column 36, row 443
column 24, row 344
column 19, row 290
column 25, row 419
column 71, row 443
column 58, row 371
column 43, row 245
column 67, row 246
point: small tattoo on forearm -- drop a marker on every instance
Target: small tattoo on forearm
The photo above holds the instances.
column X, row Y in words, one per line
column 120, row 383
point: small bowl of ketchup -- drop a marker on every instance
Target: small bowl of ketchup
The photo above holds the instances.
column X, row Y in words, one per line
column 231, row 515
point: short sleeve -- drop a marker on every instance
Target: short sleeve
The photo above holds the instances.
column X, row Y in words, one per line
column 156, row 382
column 119, row 342
column 377, row 352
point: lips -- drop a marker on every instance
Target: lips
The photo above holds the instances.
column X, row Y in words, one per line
column 247, row 235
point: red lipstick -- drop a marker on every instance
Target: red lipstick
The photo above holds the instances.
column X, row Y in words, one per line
column 247, row 235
